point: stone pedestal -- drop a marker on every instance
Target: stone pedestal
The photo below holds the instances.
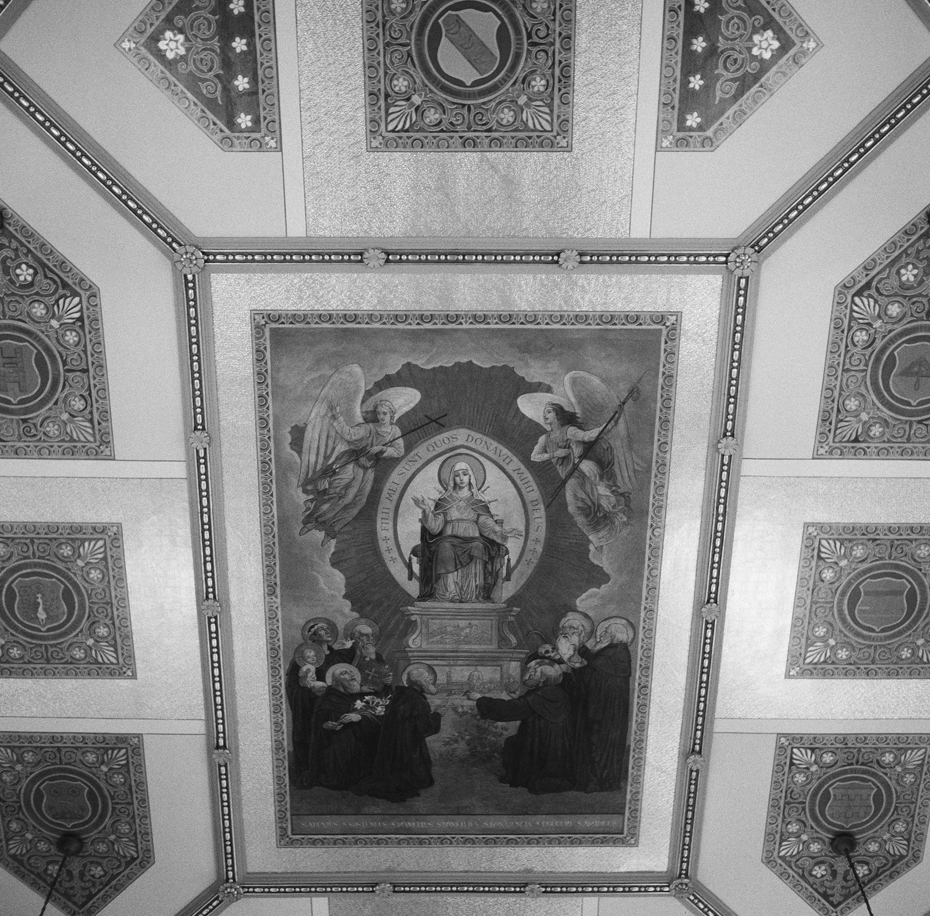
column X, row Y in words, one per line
column 471, row 646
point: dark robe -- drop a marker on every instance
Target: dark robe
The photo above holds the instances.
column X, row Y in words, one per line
column 370, row 669
column 302, row 702
column 539, row 756
column 440, row 554
column 402, row 764
column 601, row 699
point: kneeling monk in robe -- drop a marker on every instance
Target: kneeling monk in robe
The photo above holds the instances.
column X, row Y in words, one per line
column 539, row 756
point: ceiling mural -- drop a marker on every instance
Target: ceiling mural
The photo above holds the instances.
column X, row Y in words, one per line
column 862, row 603
column 90, row 785
column 64, row 609
column 722, row 59
column 876, row 389
column 216, row 61
column 469, row 74
column 874, row 786
column 53, row 386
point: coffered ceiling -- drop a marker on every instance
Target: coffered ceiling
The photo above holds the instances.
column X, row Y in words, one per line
column 183, row 181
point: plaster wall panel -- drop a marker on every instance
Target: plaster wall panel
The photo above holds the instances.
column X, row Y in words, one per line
column 74, row 60
column 162, row 604
column 135, row 280
column 767, row 543
column 457, row 905
column 355, row 192
column 730, row 863
column 177, row 776
column 279, row 905
column 640, row 906
column 867, row 49
column 797, row 283
column 233, row 296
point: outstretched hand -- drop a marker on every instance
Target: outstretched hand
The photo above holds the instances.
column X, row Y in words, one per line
column 421, row 502
column 513, row 533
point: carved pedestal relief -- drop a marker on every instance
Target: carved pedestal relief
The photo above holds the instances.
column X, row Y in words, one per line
column 215, row 59
column 876, row 389
column 876, row 787
column 469, row 74
column 862, row 606
column 91, row 785
column 53, row 387
column 722, row 60
column 64, row 609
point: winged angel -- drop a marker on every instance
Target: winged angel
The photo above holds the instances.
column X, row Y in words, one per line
column 588, row 440
column 343, row 442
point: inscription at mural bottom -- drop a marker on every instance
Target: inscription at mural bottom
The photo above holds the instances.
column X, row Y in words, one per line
column 92, row 785
column 862, row 605
column 53, row 390
column 876, row 787
column 64, row 609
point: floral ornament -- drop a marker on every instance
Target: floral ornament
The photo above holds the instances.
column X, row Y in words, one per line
column 210, row 608
column 172, row 43
column 908, row 273
column 400, row 84
column 692, row 120
column 534, row 891
column 241, row 83
column 244, row 120
column 569, row 259
column 38, row 309
column 237, row 7
column 431, row 116
column 698, row 44
column 728, row 446
column 398, row 6
column 710, row 611
column 866, row 311
column 271, row 142
column 383, row 890
column 765, row 44
column 833, row 551
column 230, row 891
column 809, row 45
column 538, row 84
column 700, row 6
column 222, row 755
column 561, row 141
column 696, row 762
column 506, row 115
column 198, row 440
column 742, row 261
column 894, row 310
column 374, row 258
column 239, row 45
column 680, row 888
column 24, row 273
column 402, row 114
column 695, row 81
column 820, row 871
column 128, row 44
column 667, row 141
column 189, row 260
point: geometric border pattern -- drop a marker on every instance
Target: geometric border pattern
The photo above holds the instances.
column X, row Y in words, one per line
column 54, row 401
column 734, row 52
column 411, row 103
column 92, row 785
column 85, row 568
column 216, row 65
column 879, row 311
column 875, row 786
column 262, row 323
column 837, row 562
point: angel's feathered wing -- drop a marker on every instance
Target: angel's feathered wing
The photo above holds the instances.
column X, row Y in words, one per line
column 343, row 390
column 596, row 402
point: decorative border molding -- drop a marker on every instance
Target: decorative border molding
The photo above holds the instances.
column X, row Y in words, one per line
column 668, row 323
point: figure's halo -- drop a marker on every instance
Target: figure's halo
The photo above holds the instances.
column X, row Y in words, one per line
column 403, row 400
column 478, row 473
column 309, row 648
column 336, row 669
column 419, row 666
column 332, row 629
column 607, row 621
column 583, row 618
column 533, row 405
column 348, row 631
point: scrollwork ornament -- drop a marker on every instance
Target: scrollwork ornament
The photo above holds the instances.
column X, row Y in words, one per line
column 742, row 261
column 681, row 888
column 230, row 891
column 189, row 260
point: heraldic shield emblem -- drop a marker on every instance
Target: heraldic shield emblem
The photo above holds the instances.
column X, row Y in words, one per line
column 469, row 49
column 65, row 801
column 883, row 603
column 39, row 601
column 850, row 802
column 910, row 379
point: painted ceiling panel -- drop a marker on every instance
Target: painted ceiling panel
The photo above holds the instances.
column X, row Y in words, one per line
column 866, row 51
column 351, row 191
column 764, row 583
column 211, row 191
column 135, row 305
column 159, row 582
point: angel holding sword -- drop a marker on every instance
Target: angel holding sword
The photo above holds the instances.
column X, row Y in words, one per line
column 588, row 441
column 344, row 439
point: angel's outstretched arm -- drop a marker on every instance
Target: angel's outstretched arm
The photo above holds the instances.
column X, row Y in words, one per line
column 351, row 434
column 540, row 453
